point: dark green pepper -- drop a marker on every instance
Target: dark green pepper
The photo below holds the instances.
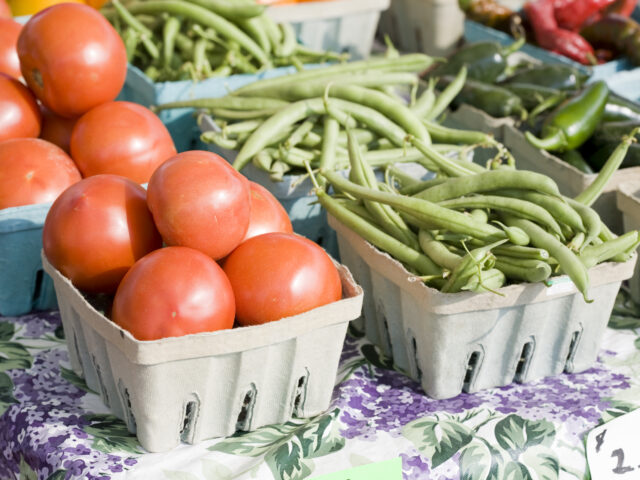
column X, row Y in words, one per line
column 612, row 132
column 530, row 94
column 615, row 32
column 573, row 122
column 598, row 156
column 492, row 99
column 620, row 110
column 485, row 61
column 561, row 77
column 575, row 158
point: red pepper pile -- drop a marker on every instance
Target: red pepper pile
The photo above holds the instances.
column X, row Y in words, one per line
column 556, row 23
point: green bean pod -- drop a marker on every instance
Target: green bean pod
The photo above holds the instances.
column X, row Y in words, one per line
column 530, row 270
column 595, row 254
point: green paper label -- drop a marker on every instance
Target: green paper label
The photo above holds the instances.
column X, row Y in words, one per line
column 386, row 470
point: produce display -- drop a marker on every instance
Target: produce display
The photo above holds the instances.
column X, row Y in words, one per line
column 9, row 62
column 172, row 40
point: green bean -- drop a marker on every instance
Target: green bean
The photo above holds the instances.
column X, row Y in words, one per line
column 131, row 38
column 426, row 100
column 416, row 260
column 407, row 63
column 440, row 133
column 449, row 167
column 490, row 181
column 595, row 254
column 199, row 57
column 247, row 126
column 479, row 214
column 403, row 178
column 560, row 210
column 329, row 143
column 521, row 252
column 288, row 44
column 419, row 186
column 577, row 242
column 263, row 160
column 232, row 103
column 184, row 44
column 486, row 281
column 516, row 235
column 437, row 251
column 590, row 194
column 356, row 207
column 169, row 32
column 231, row 114
column 521, row 208
column 590, row 219
column 430, row 212
column 253, row 26
column 232, row 10
column 531, row 271
column 450, row 92
column 274, row 34
column 145, row 34
column 203, row 17
column 471, row 263
column 219, row 139
column 300, row 132
column 297, row 157
column 569, row 262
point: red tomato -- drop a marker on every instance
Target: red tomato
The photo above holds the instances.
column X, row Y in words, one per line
column 5, row 11
column 97, row 229
column 267, row 213
column 57, row 129
column 122, row 138
column 171, row 292
column 198, row 200
column 278, row 275
column 72, row 58
column 19, row 113
column 9, row 62
column 33, row 171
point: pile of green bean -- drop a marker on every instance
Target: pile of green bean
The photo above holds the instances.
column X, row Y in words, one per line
column 475, row 229
column 172, row 40
column 281, row 124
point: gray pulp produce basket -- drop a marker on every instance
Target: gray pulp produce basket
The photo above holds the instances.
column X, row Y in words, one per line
column 628, row 202
column 339, row 26
column 570, row 180
column 23, row 284
column 465, row 342
column 210, row 384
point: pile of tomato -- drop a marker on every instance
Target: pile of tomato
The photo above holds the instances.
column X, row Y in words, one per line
column 200, row 249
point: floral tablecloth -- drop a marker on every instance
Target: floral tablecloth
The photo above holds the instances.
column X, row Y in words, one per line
column 53, row 427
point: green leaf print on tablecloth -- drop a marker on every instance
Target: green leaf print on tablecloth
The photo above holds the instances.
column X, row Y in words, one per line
column 516, row 449
column 6, row 392
column 75, row 379
column 286, row 447
column 58, row 475
column 12, row 354
column 110, row 434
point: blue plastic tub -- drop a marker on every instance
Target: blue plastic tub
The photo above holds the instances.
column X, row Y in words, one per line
column 23, row 284
column 181, row 122
column 476, row 32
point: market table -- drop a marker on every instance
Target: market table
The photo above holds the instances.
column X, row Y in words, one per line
column 53, row 427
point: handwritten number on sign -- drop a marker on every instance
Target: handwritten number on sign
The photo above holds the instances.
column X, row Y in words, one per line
column 600, row 440
column 618, row 452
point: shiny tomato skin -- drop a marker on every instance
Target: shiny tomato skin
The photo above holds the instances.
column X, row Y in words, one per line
column 33, row 171
column 19, row 112
column 171, row 292
column 72, row 58
column 57, row 129
column 198, row 200
column 277, row 275
column 9, row 62
column 97, row 229
column 267, row 213
column 121, row 138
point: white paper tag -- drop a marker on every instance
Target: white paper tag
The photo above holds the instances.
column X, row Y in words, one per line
column 560, row 285
column 613, row 449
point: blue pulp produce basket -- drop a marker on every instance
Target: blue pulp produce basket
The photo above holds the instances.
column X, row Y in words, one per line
column 23, row 284
column 181, row 122
column 626, row 84
column 476, row 32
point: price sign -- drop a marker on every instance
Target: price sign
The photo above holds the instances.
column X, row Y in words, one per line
column 613, row 449
column 387, row 470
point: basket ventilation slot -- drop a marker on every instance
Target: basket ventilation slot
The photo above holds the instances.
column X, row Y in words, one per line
column 126, row 403
column 189, row 421
column 300, row 395
column 415, row 356
column 573, row 347
column 243, row 423
column 37, row 287
column 471, row 371
column 523, row 362
column 103, row 390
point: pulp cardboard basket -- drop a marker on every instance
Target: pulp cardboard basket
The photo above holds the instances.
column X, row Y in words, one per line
column 434, row 27
column 337, row 25
column 465, row 342
column 180, row 122
column 23, row 284
column 570, row 180
column 628, row 202
column 211, row 384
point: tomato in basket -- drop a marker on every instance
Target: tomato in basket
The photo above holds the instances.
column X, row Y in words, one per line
column 122, row 138
column 267, row 213
column 19, row 112
column 33, row 171
column 9, row 62
column 276, row 275
column 172, row 292
column 57, row 129
column 72, row 58
column 198, row 200
column 97, row 229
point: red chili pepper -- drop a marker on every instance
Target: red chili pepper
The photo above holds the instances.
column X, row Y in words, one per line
column 571, row 15
column 551, row 37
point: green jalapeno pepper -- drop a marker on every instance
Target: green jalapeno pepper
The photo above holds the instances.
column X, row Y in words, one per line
column 573, row 122
column 620, row 110
column 531, row 95
column 562, row 77
column 492, row 99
